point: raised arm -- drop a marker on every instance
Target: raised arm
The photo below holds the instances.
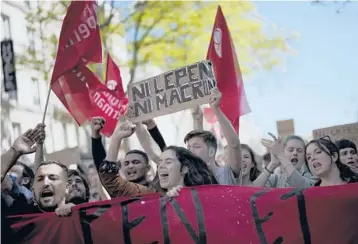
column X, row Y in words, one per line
column 262, row 179
column 39, row 154
column 109, row 170
column 198, row 118
column 145, row 139
column 98, row 151
column 294, row 177
column 233, row 142
column 155, row 133
column 24, row 144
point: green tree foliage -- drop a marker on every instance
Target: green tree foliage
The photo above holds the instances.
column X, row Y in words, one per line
column 167, row 34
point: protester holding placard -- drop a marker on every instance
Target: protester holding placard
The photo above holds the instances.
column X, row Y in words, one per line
column 176, row 167
column 204, row 145
column 322, row 158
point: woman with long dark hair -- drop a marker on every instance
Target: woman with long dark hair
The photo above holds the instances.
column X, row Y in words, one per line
column 322, row 159
column 177, row 167
column 249, row 170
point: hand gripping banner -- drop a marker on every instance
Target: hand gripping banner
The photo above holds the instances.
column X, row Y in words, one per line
column 206, row 214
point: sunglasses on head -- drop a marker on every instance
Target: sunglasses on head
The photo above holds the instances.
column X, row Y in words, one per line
column 327, row 138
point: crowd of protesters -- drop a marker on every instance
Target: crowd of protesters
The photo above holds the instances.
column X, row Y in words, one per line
column 51, row 187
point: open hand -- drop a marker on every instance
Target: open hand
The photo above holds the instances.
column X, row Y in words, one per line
column 25, row 144
column 275, row 146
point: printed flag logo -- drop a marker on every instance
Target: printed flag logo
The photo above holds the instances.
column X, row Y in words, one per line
column 217, row 41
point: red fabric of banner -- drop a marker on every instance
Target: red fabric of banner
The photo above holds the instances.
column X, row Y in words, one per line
column 222, row 54
column 207, row 214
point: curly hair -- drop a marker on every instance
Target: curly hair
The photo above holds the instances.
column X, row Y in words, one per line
column 78, row 173
column 330, row 148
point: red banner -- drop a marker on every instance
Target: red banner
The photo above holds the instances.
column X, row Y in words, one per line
column 207, row 214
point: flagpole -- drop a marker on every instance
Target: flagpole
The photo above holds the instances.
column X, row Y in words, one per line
column 46, row 104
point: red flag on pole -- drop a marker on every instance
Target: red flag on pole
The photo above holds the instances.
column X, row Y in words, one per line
column 114, row 82
column 105, row 102
column 79, row 43
column 113, row 77
column 222, row 54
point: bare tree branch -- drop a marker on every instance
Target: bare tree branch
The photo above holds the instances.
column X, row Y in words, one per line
column 108, row 21
column 136, row 47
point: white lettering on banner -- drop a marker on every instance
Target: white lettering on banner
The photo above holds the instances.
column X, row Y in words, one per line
column 106, row 107
column 83, row 30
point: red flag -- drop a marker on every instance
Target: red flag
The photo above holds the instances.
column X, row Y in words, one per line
column 222, row 54
column 105, row 102
column 80, row 40
column 79, row 44
column 113, row 78
column 74, row 94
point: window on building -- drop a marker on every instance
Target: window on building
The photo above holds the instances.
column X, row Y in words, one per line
column 72, row 135
column 84, row 139
column 28, row 4
column 36, row 96
column 6, row 34
column 64, row 128
column 31, row 36
column 5, row 27
column 59, row 136
column 16, row 129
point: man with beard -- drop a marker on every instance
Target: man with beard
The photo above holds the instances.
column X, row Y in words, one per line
column 78, row 188
column 49, row 187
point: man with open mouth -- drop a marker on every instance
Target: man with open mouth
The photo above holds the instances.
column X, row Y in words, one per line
column 78, row 188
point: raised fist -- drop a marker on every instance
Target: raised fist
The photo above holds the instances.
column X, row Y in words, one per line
column 97, row 124
column 124, row 130
column 215, row 98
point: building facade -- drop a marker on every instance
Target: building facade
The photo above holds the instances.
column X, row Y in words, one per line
column 23, row 109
